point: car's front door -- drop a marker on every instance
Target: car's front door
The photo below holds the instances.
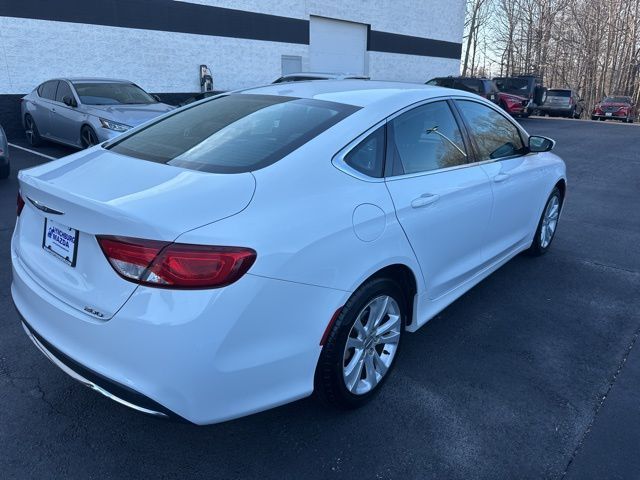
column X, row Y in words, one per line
column 65, row 120
column 442, row 201
column 517, row 180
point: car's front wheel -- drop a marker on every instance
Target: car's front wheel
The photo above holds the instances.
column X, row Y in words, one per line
column 362, row 346
column 548, row 224
column 88, row 137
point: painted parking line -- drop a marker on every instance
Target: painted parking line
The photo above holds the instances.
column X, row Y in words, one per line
column 32, row 151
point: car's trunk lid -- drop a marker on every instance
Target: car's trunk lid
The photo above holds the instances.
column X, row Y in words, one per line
column 104, row 193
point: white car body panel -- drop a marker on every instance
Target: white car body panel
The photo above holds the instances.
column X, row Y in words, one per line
column 319, row 232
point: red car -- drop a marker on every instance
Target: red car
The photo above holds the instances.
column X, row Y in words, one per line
column 514, row 105
column 615, row 108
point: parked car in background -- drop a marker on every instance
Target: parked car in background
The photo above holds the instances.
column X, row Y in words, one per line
column 305, row 76
column 198, row 97
column 82, row 112
column 615, row 108
column 5, row 167
column 529, row 87
column 266, row 244
column 486, row 88
column 562, row 102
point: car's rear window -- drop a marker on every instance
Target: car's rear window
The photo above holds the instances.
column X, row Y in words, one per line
column 233, row 134
column 558, row 93
column 617, row 100
column 473, row 84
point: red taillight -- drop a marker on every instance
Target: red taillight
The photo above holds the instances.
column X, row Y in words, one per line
column 19, row 204
column 176, row 265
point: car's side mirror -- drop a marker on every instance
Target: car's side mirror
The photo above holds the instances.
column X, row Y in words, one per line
column 156, row 97
column 539, row 144
column 69, row 101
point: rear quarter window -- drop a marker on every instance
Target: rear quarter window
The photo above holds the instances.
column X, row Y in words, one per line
column 233, row 134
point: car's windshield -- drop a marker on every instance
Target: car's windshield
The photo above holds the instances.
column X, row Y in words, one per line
column 233, row 134
column 116, row 93
column 559, row 93
column 617, row 100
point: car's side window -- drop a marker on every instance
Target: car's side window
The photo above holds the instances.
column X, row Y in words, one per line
column 494, row 135
column 49, row 90
column 63, row 91
column 368, row 156
column 426, row 138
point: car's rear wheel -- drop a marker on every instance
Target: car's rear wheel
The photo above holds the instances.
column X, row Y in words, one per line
column 88, row 137
column 31, row 131
column 548, row 224
column 362, row 346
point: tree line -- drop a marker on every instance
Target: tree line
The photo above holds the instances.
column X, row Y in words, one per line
column 592, row 46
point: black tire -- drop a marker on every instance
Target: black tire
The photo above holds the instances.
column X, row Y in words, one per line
column 31, row 131
column 88, row 137
column 594, row 118
column 538, row 246
column 4, row 171
column 330, row 384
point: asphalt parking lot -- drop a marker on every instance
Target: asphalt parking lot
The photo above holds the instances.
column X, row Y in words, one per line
column 532, row 374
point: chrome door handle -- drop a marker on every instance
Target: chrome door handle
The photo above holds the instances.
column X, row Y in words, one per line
column 424, row 200
column 501, row 177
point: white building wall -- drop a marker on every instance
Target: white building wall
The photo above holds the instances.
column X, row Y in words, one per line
column 32, row 51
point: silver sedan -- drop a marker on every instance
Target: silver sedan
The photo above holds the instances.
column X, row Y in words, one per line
column 82, row 112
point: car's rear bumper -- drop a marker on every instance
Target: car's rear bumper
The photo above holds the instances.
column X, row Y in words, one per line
column 613, row 116
column 204, row 356
column 556, row 110
column 103, row 385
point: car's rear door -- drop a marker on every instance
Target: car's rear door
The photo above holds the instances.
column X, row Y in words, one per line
column 517, row 179
column 42, row 108
column 442, row 201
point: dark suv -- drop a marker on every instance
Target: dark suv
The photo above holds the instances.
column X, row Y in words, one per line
column 527, row 86
column 514, row 105
column 480, row 86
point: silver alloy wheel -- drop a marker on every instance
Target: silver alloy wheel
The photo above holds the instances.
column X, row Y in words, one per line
column 371, row 345
column 29, row 129
column 549, row 221
column 88, row 138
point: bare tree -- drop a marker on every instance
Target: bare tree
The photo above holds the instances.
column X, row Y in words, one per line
column 592, row 46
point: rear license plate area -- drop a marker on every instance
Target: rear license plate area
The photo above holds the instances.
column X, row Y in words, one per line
column 61, row 241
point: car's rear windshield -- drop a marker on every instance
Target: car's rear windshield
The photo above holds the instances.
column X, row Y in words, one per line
column 233, row 134
column 512, row 84
column 116, row 93
column 617, row 100
column 558, row 93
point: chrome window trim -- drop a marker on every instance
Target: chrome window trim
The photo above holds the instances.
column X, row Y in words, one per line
column 339, row 162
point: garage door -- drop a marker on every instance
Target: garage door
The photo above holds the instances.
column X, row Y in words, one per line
column 337, row 46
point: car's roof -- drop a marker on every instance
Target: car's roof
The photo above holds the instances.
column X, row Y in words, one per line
column 96, row 80
column 323, row 75
column 355, row 92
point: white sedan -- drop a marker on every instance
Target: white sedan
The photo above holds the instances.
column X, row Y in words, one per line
column 252, row 248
